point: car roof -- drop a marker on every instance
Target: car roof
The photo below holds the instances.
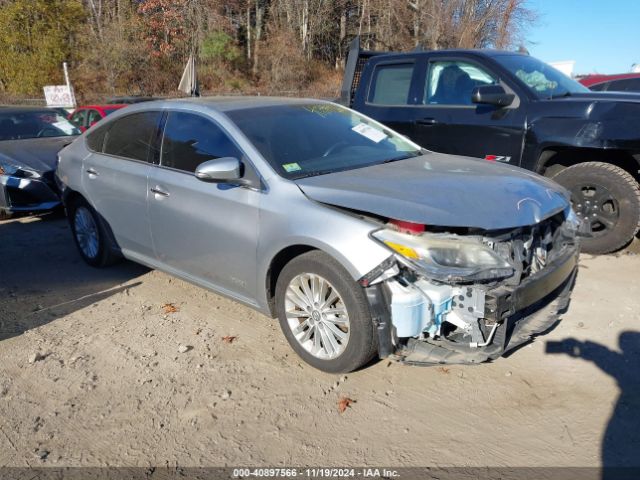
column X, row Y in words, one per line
column 10, row 109
column 105, row 106
column 594, row 79
column 487, row 52
column 226, row 103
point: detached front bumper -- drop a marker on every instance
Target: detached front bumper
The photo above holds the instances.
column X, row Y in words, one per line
column 19, row 194
column 512, row 317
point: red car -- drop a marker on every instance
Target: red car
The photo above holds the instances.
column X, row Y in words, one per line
column 89, row 115
column 622, row 82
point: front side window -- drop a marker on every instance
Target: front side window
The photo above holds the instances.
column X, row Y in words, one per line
column 541, row 79
column 302, row 140
column 190, row 140
column 625, row 85
column 391, row 84
column 78, row 118
column 132, row 136
column 452, row 82
column 93, row 117
column 599, row 87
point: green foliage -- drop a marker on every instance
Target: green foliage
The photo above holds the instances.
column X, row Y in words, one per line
column 220, row 46
column 35, row 38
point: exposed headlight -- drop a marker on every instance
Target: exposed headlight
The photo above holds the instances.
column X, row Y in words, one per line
column 446, row 258
column 17, row 171
column 575, row 225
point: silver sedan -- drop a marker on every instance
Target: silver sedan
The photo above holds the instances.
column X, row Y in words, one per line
column 358, row 240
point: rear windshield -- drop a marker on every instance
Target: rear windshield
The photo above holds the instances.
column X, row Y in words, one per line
column 34, row 124
column 303, row 140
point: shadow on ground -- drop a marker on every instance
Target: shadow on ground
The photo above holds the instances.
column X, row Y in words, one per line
column 42, row 277
column 621, row 439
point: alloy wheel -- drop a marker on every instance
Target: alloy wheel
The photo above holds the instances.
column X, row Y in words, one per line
column 86, row 232
column 317, row 316
column 597, row 205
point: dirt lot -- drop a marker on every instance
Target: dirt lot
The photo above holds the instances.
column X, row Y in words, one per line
column 92, row 374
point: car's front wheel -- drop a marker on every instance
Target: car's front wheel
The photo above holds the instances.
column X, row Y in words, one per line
column 324, row 314
column 608, row 198
column 90, row 234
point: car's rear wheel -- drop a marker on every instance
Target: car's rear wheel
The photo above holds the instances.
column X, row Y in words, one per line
column 324, row 314
column 607, row 197
column 90, row 235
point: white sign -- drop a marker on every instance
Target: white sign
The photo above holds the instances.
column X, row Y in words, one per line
column 59, row 96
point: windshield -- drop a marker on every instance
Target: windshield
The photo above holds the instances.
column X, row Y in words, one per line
column 313, row 139
column 33, row 124
column 541, row 78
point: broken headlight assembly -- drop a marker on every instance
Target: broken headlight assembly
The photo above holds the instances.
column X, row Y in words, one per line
column 446, row 258
column 17, row 171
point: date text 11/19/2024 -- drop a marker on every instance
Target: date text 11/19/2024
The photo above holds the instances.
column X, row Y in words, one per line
column 315, row 472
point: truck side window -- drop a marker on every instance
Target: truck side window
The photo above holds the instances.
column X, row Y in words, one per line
column 391, row 84
column 452, row 82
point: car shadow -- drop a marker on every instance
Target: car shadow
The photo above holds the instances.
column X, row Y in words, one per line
column 621, row 439
column 43, row 278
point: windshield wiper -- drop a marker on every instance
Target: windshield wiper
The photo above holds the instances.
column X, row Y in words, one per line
column 401, row 157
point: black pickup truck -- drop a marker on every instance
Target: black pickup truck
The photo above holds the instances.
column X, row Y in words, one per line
column 509, row 107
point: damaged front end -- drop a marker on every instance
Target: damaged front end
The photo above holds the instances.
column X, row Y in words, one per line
column 468, row 295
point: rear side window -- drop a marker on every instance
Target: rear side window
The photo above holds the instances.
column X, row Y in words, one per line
column 391, row 84
column 190, row 140
column 132, row 136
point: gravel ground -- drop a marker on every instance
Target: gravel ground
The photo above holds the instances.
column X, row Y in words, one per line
column 96, row 369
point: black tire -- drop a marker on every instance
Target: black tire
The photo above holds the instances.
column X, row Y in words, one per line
column 105, row 254
column 614, row 221
column 362, row 342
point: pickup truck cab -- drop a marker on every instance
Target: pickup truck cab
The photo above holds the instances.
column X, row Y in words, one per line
column 512, row 108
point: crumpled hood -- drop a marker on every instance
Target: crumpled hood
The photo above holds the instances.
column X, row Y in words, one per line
column 39, row 154
column 442, row 190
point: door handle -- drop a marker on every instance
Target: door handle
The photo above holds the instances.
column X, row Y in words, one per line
column 427, row 121
column 92, row 173
column 158, row 191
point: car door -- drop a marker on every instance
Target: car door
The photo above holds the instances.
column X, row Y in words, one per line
column 202, row 231
column 115, row 178
column 448, row 121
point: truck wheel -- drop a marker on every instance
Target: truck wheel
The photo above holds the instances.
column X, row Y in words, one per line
column 608, row 197
column 324, row 314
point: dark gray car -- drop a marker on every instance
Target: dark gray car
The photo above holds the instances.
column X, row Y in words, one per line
column 355, row 238
column 30, row 139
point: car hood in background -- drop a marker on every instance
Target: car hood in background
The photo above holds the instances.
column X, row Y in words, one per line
column 39, row 154
column 442, row 190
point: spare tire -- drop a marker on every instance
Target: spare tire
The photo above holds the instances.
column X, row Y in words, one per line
column 607, row 197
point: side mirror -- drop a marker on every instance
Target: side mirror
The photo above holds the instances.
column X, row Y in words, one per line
column 492, row 95
column 220, row 170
